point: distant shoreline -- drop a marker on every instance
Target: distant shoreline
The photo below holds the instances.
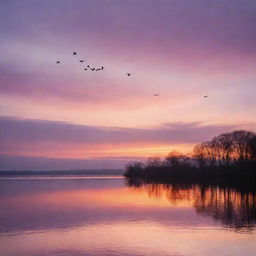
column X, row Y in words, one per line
column 107, row 172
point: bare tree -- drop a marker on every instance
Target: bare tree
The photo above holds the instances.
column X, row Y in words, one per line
column 242, row 144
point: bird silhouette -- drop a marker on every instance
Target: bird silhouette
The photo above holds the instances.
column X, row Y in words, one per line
column 92, row 69
column 57, row 62
column 74, row 53
column 98, row 69
column 88, row 66
column 128, row 74
column 156, row 95
column 81, row 61
column 205, row 96
column 102, row 68
column 85, row 69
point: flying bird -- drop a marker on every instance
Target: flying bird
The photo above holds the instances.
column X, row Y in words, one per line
column 102, row 68
column 156, row 95
column 85, row 69
column 92, row 69
column 57, row 62
column 205, row 96
column 81, row 61
column 88, row 66
column 74, row 53
column 128, row 74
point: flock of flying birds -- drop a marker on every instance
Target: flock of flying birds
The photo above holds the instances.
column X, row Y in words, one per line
column 88, row 67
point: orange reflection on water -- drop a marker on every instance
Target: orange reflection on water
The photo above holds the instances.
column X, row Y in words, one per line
column 117, row 197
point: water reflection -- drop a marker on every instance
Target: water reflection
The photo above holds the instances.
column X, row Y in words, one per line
column 233, row 208
column 97, row 216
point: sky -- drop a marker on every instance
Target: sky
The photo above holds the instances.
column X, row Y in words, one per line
column 59, row 116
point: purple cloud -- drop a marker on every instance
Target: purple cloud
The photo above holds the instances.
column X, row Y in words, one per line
column 198, row 28
column 19, row 163
column 30, row 131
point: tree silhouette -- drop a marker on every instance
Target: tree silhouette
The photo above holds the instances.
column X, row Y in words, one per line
column 228, row 156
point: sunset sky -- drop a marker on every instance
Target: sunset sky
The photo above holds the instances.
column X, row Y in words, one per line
column 59, row 116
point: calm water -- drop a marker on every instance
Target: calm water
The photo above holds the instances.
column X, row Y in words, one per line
column 104, row 216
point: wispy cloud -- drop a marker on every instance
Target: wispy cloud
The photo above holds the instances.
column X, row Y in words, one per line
column 30, row 131
column 41, row 138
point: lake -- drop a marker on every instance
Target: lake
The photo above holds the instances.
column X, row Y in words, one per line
column 75, row 216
